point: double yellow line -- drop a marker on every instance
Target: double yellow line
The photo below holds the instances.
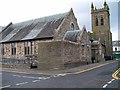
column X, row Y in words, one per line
column 114, row 75
column 92, row 68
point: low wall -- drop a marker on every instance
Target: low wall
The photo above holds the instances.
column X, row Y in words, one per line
column 57, row 54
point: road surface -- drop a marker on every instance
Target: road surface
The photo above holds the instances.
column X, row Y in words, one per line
column 97, row 78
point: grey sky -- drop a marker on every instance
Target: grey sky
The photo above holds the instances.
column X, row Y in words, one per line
column 22, row 10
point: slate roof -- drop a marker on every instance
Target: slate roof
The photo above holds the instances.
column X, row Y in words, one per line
column 33, row 29
column 72, row 35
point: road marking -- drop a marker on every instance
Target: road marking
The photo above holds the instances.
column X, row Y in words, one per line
column 58, row 75
column 114, row 75
column 31, row 77
column 105, row 86
column 89, row 68
column 36, row 81
column 16, row 75
column 21, row 83
column 61, row 74
column 108, row 83
column 6, row 86
column 111, row 81
column 46, row 78
column 55, row 76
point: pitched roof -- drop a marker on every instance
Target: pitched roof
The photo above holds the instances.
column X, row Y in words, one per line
column 72, row 35
column 32, row 29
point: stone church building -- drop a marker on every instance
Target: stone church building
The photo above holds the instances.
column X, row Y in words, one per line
column 59, row 36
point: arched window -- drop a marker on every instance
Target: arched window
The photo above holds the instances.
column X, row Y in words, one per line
column 96, row 21
column 72, row 26
column 102, row 20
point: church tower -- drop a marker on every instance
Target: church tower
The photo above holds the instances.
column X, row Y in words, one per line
column 101, row 27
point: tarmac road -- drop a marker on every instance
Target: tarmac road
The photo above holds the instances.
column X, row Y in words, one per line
column 100, row 77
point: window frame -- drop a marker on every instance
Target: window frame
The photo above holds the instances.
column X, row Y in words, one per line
column 13, row 48
column 101, row 20
column 27, row 46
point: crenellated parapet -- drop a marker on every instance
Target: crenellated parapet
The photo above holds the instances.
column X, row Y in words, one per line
column 104, row 8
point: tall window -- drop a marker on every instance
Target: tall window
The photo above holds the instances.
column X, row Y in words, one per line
column 102, row 20
column 13, row 48
column 96, row 21
column 27, row 48
column 72, row 26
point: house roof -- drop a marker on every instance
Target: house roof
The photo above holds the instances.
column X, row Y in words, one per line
column 32, row 29
column 72, row 35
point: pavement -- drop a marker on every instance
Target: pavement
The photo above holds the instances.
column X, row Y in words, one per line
column 75, row 70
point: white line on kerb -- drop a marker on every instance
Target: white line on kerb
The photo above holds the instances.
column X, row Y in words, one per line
column 5, row 86
column 21, row 83
column 105, row 86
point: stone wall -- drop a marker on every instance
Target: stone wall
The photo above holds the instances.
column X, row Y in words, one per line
column 20, row 51
column 57, row 54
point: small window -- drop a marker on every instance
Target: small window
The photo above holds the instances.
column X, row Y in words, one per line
column 2, row 50
column 13, row 49
column 96, row 21
column 102, row 20
column 72, row 26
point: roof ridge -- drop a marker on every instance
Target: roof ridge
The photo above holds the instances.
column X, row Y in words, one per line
column 44, row 18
